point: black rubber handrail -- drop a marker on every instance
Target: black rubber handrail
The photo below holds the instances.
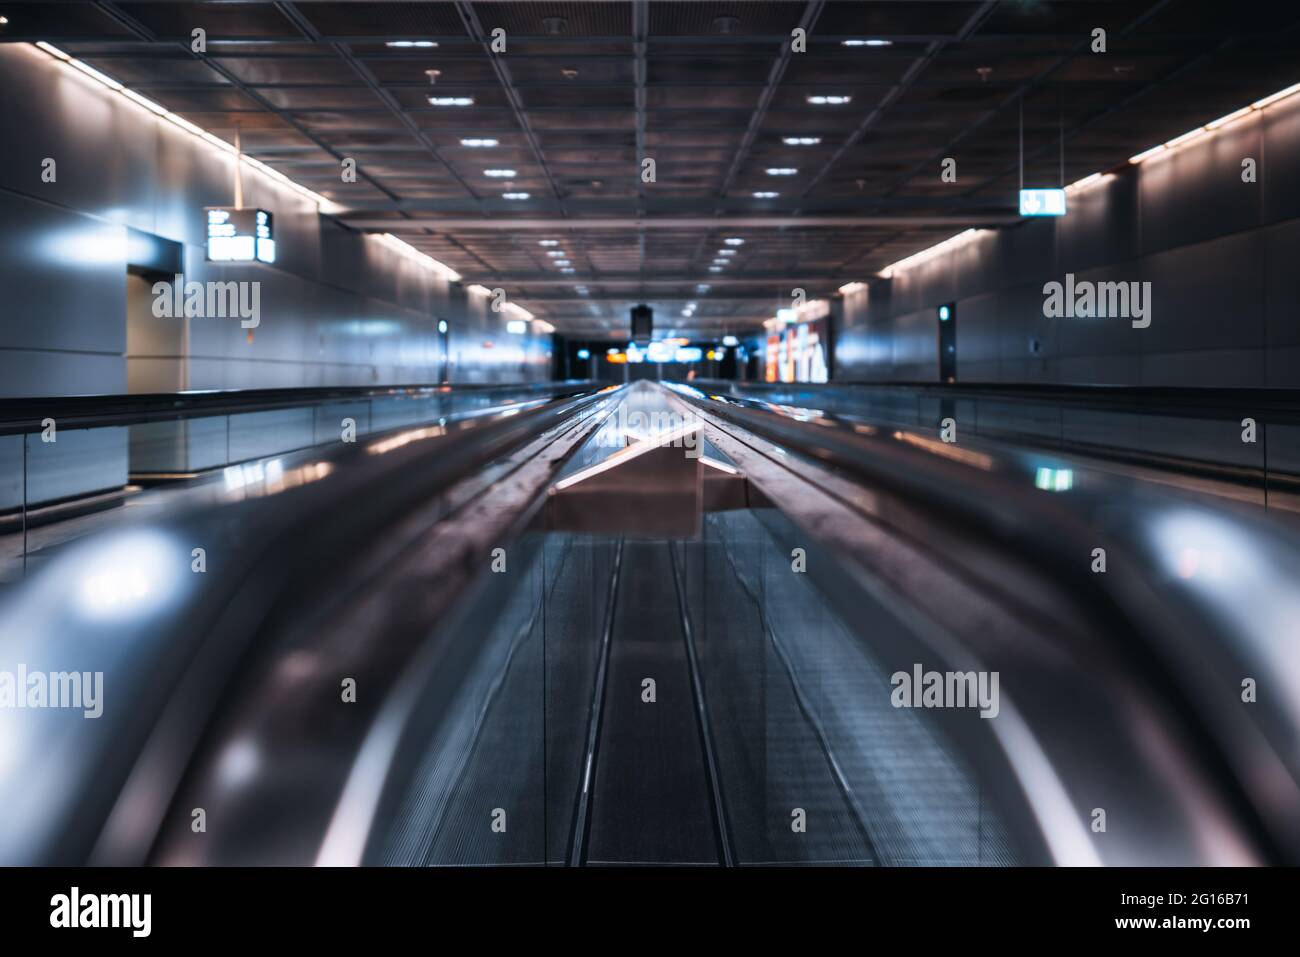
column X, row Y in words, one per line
column 27, row 415
column 1270, row 404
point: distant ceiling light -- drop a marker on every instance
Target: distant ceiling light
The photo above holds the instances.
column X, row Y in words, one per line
column 570, row 270
column 555, row 253
column 766, row 194
column 831, row 100
column 563, row 262
column 702, row 287
column 500, row 173
column 405, row 44
column 433, row 75
column 569, row 74
column 726, row 252
column 851, row 287
column 730, row 341
column 548, row 242
column 721, row 262
column 715, row 269
column 867, row 43
column 734, row 241
column 984, row 73
column 781, row 171
column 451, row 100
column 479, row 144
column 3, row 21
column 725, row 25
column 516, row 327
column 801, row 140
column 515, row 195
column 554, row 25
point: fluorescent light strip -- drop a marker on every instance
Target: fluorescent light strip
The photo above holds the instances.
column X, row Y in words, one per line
column 1161, row 149
column 186, row 125
column 930, row 252
column 1170, row 145
column 424, row 259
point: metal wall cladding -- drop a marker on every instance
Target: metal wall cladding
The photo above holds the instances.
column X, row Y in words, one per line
column 1218, row 252
column 337, row 308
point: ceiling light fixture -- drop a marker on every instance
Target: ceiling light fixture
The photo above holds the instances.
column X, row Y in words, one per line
column 828, row 100
column 766, row 194
column 451, row 100
column 734, row 241
column 433, row 75
column 801, row 140
column 406, row 44
column 874, row 42
column 556, row 253
column 781, row 171
column 500, row 173
column 726, row 252
column 515, row 195
column 479, row 144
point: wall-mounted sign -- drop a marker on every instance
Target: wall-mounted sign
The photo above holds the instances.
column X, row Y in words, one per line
column 239, row 235
column 1042, row 202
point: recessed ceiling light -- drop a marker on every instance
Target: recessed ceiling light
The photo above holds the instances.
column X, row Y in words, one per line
column 867, row 43
column 3, row 21
column 703, row 287
column 828, row 100
column 548, row 242
column 570, row 270
column 801, row 140
column 500, row 173
column 563, row 262
column 556, row 254
column 715, row 269
column 734, row 241
column 569, row 74
column 515, row 195
column 726, row 252
column 433, row 75
column 479, row 143
column 781, row 171
column 404, row 44
column 766, row 194
column 451, row 100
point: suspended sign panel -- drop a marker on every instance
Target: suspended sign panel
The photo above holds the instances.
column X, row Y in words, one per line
column 1042, row 202
column 239, row 235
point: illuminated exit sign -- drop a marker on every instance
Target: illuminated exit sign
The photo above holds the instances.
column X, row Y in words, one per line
column 239, row 235
column 1042, row 202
